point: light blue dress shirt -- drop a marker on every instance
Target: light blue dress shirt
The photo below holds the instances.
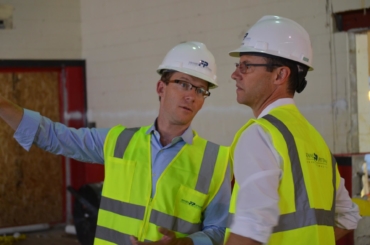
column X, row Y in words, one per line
column 86, row 145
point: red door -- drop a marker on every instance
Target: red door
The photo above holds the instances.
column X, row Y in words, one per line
column 70, row 76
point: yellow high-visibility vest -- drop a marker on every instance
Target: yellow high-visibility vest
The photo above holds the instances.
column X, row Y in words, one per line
column 310, row 179
column 183, row 191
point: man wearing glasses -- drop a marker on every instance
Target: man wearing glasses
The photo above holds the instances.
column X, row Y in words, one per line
column 163, row 182
column 287, row 186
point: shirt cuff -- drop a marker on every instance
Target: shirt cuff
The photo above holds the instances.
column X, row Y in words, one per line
column 199, row 238
column 251, row 230
column 349, row 219
column 27, row 129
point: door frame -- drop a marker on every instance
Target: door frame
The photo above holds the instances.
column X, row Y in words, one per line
column 72, row 99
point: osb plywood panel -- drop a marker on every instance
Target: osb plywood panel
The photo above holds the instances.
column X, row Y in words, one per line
column 30, row 182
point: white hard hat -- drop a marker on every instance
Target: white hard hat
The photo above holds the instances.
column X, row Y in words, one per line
column 192, row 58
column 278, row 36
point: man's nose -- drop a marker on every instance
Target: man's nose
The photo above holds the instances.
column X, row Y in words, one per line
column 236, row 74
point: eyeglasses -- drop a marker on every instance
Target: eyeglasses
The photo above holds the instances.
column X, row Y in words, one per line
column 246, row 68
column 186, row 86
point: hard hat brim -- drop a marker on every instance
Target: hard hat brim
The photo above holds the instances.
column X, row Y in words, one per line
column 236, row 53
column 212, row 84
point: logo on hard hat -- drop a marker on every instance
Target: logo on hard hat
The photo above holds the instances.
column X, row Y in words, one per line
column 203, row 63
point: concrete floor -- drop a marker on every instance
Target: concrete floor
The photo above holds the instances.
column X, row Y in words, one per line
column 53, row 236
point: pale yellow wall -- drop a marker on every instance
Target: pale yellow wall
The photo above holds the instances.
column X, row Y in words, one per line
column 42, row 29
column 363, row 90
column 125, row 41
column 345, row 5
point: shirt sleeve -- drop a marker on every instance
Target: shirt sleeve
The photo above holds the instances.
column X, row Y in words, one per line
column 346, row 211
column 257, row 171
column 82, row 144
column 215, row 216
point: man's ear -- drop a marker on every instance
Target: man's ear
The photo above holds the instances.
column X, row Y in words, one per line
column 282, row 75
column 161, row 86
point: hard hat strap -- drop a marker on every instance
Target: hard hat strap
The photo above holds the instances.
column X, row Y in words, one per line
column 301, row 75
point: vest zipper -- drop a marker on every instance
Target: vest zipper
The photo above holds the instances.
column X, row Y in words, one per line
column 144, row 227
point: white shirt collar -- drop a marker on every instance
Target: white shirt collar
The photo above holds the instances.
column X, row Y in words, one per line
column 277, row 103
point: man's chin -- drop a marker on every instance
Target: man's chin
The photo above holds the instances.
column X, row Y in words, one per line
column 184, row 121
column 240, row 101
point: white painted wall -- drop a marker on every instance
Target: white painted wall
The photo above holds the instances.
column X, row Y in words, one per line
column 345, row 5
column 42, row 29
column 125, row 41
column 363, row 89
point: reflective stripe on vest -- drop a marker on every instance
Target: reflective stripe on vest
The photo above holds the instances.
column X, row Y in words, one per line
column 208, row 162
column 112, row 235
column 173, row 223
column 230, row 219
column 122, row 208
column 158, row 218
column 207, row 167
column 123, row 140
column 304, row 215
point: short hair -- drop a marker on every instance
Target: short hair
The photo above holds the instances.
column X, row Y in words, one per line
column 166, row 75
column 298, row 71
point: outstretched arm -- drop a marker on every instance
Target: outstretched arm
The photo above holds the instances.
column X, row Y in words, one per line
column 82, row 144
column 11, row 113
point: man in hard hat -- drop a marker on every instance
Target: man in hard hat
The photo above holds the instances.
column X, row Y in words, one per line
column 288, row 189
column 163, row 182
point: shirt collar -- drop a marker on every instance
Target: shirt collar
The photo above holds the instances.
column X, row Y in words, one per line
column 277, row 103
column 187, row 136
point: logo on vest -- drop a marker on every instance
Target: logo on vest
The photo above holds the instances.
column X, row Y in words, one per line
column 191, row 203
column 315, row 159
